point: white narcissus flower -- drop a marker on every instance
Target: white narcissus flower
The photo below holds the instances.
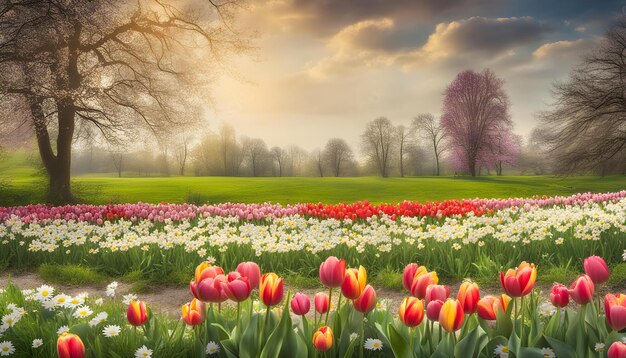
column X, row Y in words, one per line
column 373, row 344
column 143, row 352
column 212, row 348
column 111, row 331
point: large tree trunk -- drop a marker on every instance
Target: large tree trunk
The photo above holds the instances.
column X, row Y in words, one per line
column 472, row 168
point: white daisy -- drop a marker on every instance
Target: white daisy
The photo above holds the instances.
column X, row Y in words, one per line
column 76, row 301
column 11, row 319
column 624, row 255
column 37, row 342
column 501, row 351
column 143, row 352
column 111, row 331
column 62, row 329
column 44, row 293
column 373, row 344
column 128, row 298
column 6, row 348
column 99, row 301
column 547, row 353
column 48, row 304
column 212, row 348
column 83, row 312
column 547, row 310
column 599, row 347
column 99, row 318
column 11, row 306
column 62, row 300
column 19, row 310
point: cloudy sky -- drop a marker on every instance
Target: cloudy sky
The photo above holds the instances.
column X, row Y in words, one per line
column 323, row 68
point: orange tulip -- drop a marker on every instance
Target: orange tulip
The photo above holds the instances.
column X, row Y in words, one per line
column 451, row 315
column 136, row 313
column 332, row 271
column 469, row 295
column 615, row 308
column 519, row 282
column 70, row 346
column 411, row 311
column 354, row 283
column 271, row 289
column 323, row 339
column 193, row 312
column 489, row 306
column 421, row 281
column 582, row 289
column 367, row 301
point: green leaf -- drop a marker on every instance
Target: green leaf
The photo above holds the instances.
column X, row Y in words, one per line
column 248, row 345
column 514, row 343
column 467, row 346
column 530, row 352
column 275, row 341
column 561, row 349
column 399, row 345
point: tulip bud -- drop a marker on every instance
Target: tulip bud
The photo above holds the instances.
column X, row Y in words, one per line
column 408, row 274
column 617, row 350
column 489, row 306
column 323, row 339
column 559, row 296
column 581, row 290
column 251, row 271
column 332, row 272
column 615, row 309
column 437, row 292
column 468, row 295
column 300, row 304
column 411, row 311
column 193, row 312
column 70, row 346
column 519, row 282
column 597, row 269
column 354, row 283
column 237, row 288
column 433, row 309
column 367, row 301
column 421, row 281
column 210, row 289
column 451, row 316
column 271, row 289
column 136, row 313
column 322, row 304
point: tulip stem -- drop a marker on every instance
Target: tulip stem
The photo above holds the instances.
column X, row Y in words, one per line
column 238, row 313
column 330, row 301
column 521, row 326
column 430, row 336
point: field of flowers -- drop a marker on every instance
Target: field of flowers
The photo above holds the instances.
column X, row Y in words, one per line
column 461, row 238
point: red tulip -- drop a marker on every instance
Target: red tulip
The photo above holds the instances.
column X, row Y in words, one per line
column 323, row 339
column 617, row 350
column 193, row 312
column 300, row 304
column 421, row 281
column 251, row 271
column 271, row 289
column 354, row 283
column 70, row 346
column 367, row 301
column 559, row 296
column 210, row 289
column 136, row 313
column 469, row 295
column 615, row 309
column 322, row 304
column 237, row 288
column 205, row 270
column 581, row 290
column 437, row 292
column 433, row 309
column 411, row 311
column 332, row 272
column 519, row 282
column 451, row 316
column 408, row 274
column 597, row 269
column 489, row 306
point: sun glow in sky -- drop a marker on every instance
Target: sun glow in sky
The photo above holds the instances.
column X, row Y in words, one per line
column 324, row 68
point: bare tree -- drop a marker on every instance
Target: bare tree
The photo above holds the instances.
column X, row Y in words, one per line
column 404, row 135
column 337, row 154
column 118, row 161
column 588, row 118
column 257, row 154
column 426, row 125
column 230, row 149
column 377, row 142
column 280, row 157
column 120, row 66
column 181, row 153
column 318, row 157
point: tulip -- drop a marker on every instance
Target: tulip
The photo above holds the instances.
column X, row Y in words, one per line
column 322, row 304
column 451, row 316
column 421, row 281
column 323, row 339
column 136, row 313
column 193, row 312
column 251, row 271
column 408, row 274
column 597, row 269
column 300, row 304
column 354, row 283
column 559, row 296
column 271, row 289
column 436, row 292
column 237, row 288
column 469, row 295
column 433, row 308
column 70, row 346
column 519, row 282
column 581, row 290
column 489, row 306
column 205, row 270
column 332, row 272
column 617, row 350
column 367, row 301
column 210, row 289
column 411, row 311
column 615, row 309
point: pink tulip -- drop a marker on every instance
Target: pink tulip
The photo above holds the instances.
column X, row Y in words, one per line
column 432, row 310
column 367, row 301
column 615, row 309
column 437, row 292
column 251, row 271
column 237, row 287
column 408, row 274
column 300, row 304
column 581, row 290
column 322, row 304
column 617, row 350
column 332, row 272
column 559, row 295
column 597, row 269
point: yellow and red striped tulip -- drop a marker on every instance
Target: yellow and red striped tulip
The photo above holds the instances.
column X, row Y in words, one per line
column 469, row 295
column 137, row 314
column 323, row 339
column 411, row 311
column 354, row 283
column 519, row 282
column 193, row 312
column 421, row 281
column 615, row 308
column 70, row 346
column 271, row 289
column 489, row 306
column 582, row 289
column 451, row 315
column 367, row 301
